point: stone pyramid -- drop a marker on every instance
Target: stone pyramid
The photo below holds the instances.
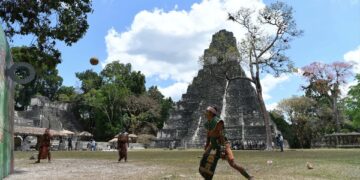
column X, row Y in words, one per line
column 236, row 99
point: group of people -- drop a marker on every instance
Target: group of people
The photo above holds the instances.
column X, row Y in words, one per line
column 216, row 140
column 69, row 143
column 45, row 145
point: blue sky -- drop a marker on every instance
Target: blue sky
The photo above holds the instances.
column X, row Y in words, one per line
column 164, row 38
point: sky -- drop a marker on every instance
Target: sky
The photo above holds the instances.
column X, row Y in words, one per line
column 165, row 38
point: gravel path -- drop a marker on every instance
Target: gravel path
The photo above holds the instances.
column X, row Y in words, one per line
column 85, row 169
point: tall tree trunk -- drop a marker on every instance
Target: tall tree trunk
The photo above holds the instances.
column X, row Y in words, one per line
column 336, row 114
column 266, row 120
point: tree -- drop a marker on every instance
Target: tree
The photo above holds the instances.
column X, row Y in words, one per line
column 109, row 100
column 352, row 104
column 283, row 126
column 47, row 81
column 165, row 105
column 263, row 51
column 116, row 72
column 141, row 108
column 89, row 80
column 47, row 21
column 116, row 100
column 324, row 81
column 302, row 114
column 154, row 93
column 66, row 94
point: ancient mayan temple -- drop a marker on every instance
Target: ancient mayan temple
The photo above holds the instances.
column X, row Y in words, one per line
column 46, row 114
column 236, row 99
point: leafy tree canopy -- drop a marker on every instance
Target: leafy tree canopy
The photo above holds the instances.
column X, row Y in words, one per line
column 116, row 100
column 66, row 94
column 301, row 114
column 47, row 21
column 324, row 81
column 47, row 81
column 121, row 74
column 352, row 103
column 89, row 80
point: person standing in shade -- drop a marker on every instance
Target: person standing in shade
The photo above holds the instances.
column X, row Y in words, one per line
column 44, row 149
column 217, row 140
column 93, row 145
column 280, row 140
column 69, row 144
column 123, row 143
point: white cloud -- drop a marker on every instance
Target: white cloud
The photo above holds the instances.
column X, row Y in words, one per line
column 173, row 90
column 271, row 106
column 269, row 82
column 345, row 88
column 167, row 44
column 354, row 58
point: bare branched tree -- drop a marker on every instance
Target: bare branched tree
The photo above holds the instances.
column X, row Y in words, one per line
column 268, row 33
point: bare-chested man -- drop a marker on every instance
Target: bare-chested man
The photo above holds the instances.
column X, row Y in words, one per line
column 123, row 143
column 44, row 149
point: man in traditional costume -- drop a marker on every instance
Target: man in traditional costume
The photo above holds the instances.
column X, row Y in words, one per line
column 44, row 149
column 216, row 140
column 123, row 143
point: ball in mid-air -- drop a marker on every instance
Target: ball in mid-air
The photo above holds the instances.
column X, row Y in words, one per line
column 94, row 61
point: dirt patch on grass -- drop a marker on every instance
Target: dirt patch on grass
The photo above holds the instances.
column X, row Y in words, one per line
column 183, row 165
column 84, row 169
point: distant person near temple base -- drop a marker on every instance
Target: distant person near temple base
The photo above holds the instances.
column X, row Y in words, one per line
column 123, row 143
column 70, row 144
column 280, row 142
column 93, row 145
column 44, row 149
column 216, row 140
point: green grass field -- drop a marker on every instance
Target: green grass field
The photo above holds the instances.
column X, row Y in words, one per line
column 183, row 164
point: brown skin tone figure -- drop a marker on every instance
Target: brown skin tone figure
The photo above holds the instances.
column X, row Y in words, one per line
column 123, row 143
column 44, row 149
column 217, row 133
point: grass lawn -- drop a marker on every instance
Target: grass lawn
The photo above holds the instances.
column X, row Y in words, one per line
column 183, row 164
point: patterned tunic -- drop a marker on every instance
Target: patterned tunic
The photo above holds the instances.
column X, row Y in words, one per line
column 210, row 126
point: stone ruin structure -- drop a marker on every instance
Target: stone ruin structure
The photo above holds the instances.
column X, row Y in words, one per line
column 46, row 114
column 338, row 140
column 236, row 99
column 42, row 113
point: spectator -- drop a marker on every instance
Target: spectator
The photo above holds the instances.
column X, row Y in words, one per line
column 280, row 141
column 93, row 145
column 69, row 144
